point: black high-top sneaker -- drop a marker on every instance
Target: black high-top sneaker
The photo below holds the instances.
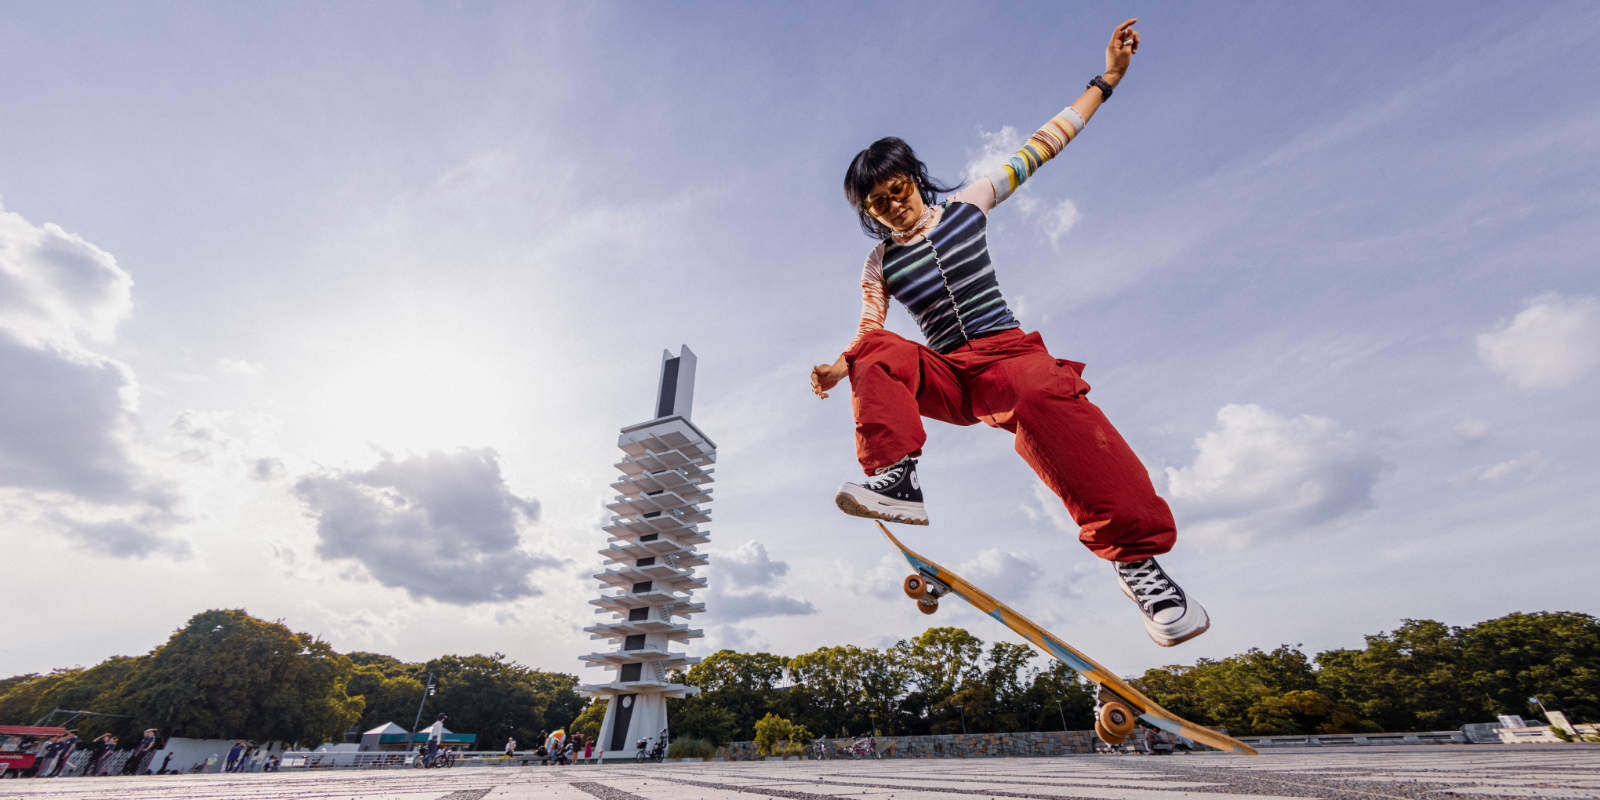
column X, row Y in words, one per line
column 1170, row 616
column 892, row 495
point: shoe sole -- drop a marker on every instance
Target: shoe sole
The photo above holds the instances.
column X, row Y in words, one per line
column 1206, row 626
column 850, row 505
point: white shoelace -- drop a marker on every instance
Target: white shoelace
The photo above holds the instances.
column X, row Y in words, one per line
column 1148, row 584
column 885, row 480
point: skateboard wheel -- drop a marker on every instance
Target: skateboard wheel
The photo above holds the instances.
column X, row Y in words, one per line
column 1105, row 736
column 927, row 604
column 915, row 587
column 1116, row 718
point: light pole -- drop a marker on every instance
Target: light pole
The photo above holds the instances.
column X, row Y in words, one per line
column 1063, row 712
column 1536, row 701
column 426, row 693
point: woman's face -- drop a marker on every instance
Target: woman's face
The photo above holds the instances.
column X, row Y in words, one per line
column 896, row 202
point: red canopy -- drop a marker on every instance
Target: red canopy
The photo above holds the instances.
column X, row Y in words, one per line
column 25, row 730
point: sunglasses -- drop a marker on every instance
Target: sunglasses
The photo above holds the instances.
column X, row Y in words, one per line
column 878, row 205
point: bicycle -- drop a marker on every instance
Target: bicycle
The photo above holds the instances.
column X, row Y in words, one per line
column 655, row 752
column 820, row 751
column 864, row 747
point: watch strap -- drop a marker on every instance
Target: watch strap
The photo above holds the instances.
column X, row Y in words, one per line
column 1100, row 83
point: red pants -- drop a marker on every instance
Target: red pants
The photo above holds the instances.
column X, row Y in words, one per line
column 1009, row 380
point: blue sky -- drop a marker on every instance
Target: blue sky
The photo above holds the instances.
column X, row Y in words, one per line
column 404, row 270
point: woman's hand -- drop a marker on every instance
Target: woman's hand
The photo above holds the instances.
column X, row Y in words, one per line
column 826, row 376
column 1124, row 43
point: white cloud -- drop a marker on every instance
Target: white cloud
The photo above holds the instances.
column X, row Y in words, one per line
column 240, row 367
column 1550, row 344
column 1472, row 428
column 442, row 526
column 1259, row 473
column 1530, row 461
column 1050, row 507
column 1060, row 220
column 67, row 451
column 743, row 585
column 1000, row 568
column 55, row 287
column 998, row 147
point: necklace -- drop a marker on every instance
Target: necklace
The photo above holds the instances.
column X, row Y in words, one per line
column 909, row 233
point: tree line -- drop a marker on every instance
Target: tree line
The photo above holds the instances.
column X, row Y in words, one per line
column 1424, row 675
column 229, row 675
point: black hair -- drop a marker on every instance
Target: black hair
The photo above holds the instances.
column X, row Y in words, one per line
column 886, row 158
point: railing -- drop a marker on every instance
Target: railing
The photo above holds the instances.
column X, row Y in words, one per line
column 1357, row 739
column 305, row 760
column 389, row 760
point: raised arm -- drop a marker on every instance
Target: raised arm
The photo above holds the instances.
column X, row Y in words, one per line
column 1049, row 140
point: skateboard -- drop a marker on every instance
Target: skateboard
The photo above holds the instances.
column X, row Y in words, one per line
column 1119, row 703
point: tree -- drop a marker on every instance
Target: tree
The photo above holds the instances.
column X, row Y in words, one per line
column 24, row 694
column 772, row 730
column 846, row 687
column 941, row 659
column 1057, row 699
column 1552, row 656
column 744, row 685
column 388, row 695
column 1222, row 692
column 227, row 674
column 1408, row 680
column 98, row 689
column 696, row 718
column 588, row 723
column 1301, row 711
column 498, row 699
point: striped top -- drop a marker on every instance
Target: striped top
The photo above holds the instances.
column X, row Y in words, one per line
column 945, row 279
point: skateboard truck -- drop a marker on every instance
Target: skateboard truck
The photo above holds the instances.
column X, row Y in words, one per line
column 1113, row 719
column 926, row 590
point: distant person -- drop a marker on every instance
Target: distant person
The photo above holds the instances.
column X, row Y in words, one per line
column 141, row 751
column 588, row 749
column 164, row 763
column 46, row 758
column 435, row 738
column 511, row 747
column 235, row 753
column 97, row 753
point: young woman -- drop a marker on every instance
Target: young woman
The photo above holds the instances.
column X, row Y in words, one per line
column 978, row 365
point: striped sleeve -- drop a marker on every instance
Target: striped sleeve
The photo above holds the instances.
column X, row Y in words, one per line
column 874, row 296
column 1042, row 146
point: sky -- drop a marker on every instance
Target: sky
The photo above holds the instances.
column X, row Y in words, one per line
column 332, row 312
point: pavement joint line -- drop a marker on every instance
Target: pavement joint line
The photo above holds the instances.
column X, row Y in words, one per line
column 467, row 794
column 944, row 789
column 1107, row 782
column 601, row 791
column 1235, row 779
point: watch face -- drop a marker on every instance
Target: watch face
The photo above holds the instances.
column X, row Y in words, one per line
column 627, row 702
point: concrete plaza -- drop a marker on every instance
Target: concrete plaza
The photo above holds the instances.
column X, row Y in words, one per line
column 1557, row 771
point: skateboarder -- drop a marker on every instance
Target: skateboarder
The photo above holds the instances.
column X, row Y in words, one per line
column 978, row 365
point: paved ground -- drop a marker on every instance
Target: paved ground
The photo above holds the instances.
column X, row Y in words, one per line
column 1425, row 773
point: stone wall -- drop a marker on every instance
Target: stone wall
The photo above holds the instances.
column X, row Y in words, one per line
column 959, row 745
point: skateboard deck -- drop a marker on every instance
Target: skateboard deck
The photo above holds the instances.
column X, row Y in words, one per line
column 1147, row 709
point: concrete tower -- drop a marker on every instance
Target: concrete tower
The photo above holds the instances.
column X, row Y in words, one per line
column 666, row 470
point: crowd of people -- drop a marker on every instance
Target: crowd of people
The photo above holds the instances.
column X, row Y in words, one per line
column 558, row 748
column 53, row 756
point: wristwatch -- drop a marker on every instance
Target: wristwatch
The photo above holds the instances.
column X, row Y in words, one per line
column 1100, row 83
